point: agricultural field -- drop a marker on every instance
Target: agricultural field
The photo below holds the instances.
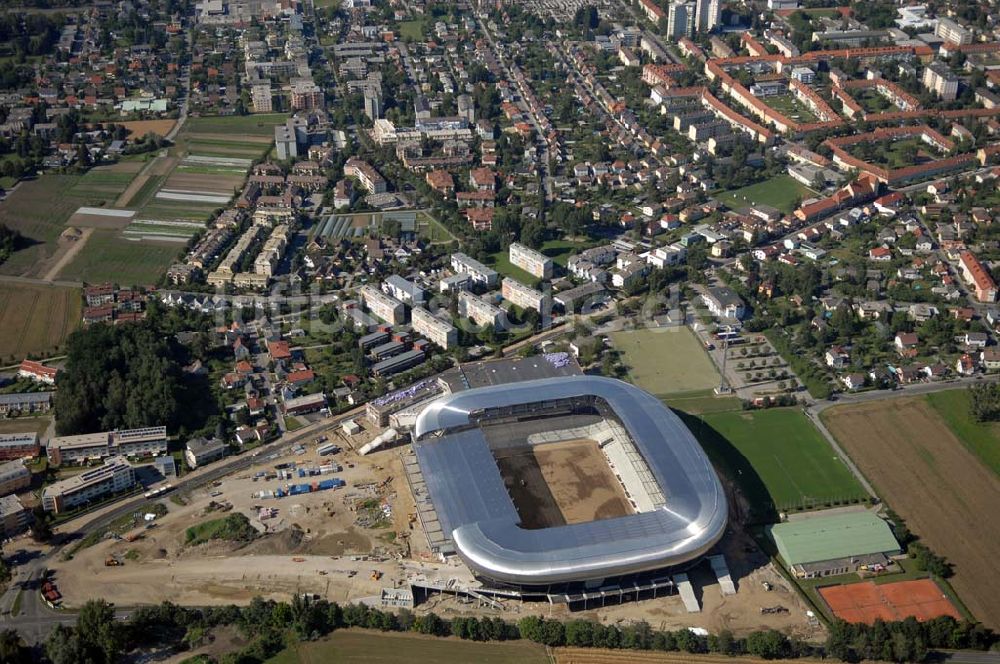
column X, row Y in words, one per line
column 259, row 124
column 39, row 209
column 930, row 478
column 106, row 181
column 599, row 656
column 666, row 361
column 981, row 438
column 391, row 648
column 109, row 256
column 36, row 319
column 778, row 457
column 781, row 192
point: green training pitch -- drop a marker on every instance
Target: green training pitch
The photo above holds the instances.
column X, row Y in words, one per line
column 666, row 360
column 778, row 455
column 781, row 192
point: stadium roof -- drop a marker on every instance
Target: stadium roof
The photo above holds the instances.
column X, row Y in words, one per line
column 831, row 537
column 476, row 511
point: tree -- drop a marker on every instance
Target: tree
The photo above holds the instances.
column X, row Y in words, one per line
column 62, row 646
column 768, row 644
column 99, row 633
column 12, row 649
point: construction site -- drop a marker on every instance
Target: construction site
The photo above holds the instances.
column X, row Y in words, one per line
column 343, row 516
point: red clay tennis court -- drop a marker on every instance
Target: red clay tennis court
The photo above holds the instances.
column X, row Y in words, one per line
column 864, row 602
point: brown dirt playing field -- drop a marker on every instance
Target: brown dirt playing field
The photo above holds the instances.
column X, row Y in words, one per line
column 864, row 602
column 561, row 483
column 945, row 494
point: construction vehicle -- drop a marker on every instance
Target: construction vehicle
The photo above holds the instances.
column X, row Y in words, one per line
column 376, row 575
column 112, row 562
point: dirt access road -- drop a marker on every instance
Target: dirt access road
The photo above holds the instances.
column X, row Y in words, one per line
column 945, row 494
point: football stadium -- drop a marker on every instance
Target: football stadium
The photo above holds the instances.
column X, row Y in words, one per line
column 569, row 482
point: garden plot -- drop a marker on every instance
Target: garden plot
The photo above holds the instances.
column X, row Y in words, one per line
column 188, row 196
column 95, row 217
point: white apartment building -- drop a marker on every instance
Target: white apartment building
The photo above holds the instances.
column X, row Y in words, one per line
column 14, row 476
column 13, row 516
column 147, row 441
column 403, row 290
column 272, row 251
column 939, row 80
column 433, row 328
column 533, row 262
column 480, row 274
column 114, row 476
column 523, row 296
column 369, row 178
column 680, row 20
column 382, row 306
column 951, row 31
column 479, row 311
column 708, row 13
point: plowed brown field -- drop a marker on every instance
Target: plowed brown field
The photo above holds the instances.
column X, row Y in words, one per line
column 595, row 656
column 928, row 477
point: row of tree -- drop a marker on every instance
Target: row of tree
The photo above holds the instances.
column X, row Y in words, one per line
column 99, row 637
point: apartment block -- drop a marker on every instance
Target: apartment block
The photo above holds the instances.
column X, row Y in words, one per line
column 14, row 476
column 14, row 517
column 403, row 290
column 523, row 296
column 433, row 328
column 147, row 441
column 531, row 261
column 939, row 80
column 480, row 274
column 366, row 174
column 479, row 311
column 306, row 96
column 952, row 32
column 383, row 306
column 114, row 476
column 18, row 445
column 977, row 276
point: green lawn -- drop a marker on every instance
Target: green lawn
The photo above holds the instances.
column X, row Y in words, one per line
column 110, row 257
column 560, row 250
column 787, row 104
column 666, row 361
column 412, row 30
column 391, row 648
column 500, row 261
column 781, row 192
column 259, row 124
column 982, row 438
column 778, row 457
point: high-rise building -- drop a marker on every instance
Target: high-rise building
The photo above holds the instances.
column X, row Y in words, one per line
column 953, row 32
column 708, row 14
column 940, row 80
column 306, row 96
column 260, row 95
column 679, row 20
column 373, row 102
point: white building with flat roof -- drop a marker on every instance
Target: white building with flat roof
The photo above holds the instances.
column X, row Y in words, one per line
column 479, row 311
column 533, row 262
column 523, row 296
column 13, row 516
column 14, row 476
column 463, row 264
column 403, row 290
column 437, row 331
column 147, row 441
column 382, row 306
column 114, row 476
